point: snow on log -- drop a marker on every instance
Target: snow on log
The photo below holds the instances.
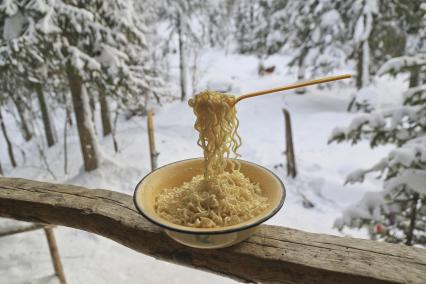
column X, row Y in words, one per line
column 273, row 255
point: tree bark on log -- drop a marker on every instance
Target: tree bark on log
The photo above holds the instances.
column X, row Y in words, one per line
column 48, row 126
column 85, row 129
column 272, row 255
column 105, row 114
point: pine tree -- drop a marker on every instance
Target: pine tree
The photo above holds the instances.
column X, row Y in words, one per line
column 94, row 47
column 181, row 18
column 316, row 37
column 312, row 30
column 376, row 31
column 23, row 51
column 217, row 22
column 252, row 25
column 398, row 213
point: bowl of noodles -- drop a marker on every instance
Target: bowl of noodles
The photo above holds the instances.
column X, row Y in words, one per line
column 214, row 201
column 200, row 222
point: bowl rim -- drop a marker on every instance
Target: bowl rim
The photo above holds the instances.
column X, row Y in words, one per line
column 219, row 232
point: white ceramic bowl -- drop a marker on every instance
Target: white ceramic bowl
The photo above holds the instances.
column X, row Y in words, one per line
column 175, row 174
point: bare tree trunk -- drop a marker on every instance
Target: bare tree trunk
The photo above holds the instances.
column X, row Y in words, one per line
column 301, row 74
column 105, row 114
column 82, row 111
column 48, row 127
column 414, row 82
column 359, row 74
column 66, row 122
column 359, row 68
column 114, row 130
column 182, row 58
column 66, row 144
column 68, row 109
column 194, row 77
column 9, row 144
column 25, row 128
column 92, row 104
column 412, row 226
column 414, row 77
column 366, row 64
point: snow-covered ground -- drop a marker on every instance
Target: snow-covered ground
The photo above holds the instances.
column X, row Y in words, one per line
column 322, row 169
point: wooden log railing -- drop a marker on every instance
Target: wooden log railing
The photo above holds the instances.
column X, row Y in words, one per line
column 274, row 254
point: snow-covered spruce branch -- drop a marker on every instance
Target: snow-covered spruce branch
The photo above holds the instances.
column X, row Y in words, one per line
column 415, row 95
column 397, row 125
column 397, row 64
column 400, row 164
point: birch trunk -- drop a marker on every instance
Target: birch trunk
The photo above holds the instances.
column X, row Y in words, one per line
column 365, row 64
column 88, row 142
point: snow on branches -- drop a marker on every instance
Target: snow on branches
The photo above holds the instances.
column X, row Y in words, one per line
column 397, row 64
column 398, row 207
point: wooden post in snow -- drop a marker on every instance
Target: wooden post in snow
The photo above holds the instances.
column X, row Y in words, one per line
column 54, row 253
column 51, row 241
column 153, row 153
column 291, row 159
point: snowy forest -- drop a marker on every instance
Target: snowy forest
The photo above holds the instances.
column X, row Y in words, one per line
column 78, row 78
